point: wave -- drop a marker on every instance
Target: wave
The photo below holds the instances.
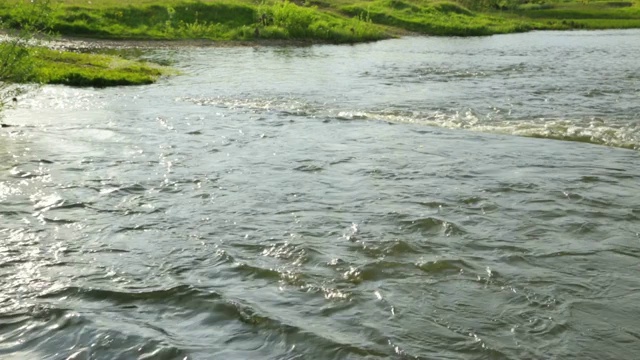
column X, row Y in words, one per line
column 620, row 133
column 117, row 323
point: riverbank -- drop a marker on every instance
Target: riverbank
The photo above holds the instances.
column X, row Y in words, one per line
column 149, row 23
column 43, row 65
column 335, row 21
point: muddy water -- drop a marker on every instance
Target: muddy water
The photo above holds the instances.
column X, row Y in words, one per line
column 402, row 199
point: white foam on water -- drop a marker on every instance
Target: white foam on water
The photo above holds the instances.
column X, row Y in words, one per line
column 615, row 133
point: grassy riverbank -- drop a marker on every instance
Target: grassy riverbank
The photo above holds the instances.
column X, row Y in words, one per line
column 24, row 58
column 336, row 21
column 46, row 66
column 480, row 17
column 214, row 20
column 76, row 69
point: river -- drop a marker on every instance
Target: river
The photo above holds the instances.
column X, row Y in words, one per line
column 416, row 198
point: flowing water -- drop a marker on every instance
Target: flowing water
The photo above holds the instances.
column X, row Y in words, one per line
column 418, row 198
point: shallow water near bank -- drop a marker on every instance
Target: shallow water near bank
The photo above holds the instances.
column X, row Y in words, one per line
column 411, row 198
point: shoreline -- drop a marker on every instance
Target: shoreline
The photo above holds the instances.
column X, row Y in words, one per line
column 238, row 23
column 71, row 43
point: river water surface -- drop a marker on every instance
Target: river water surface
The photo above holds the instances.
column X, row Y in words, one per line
column 418, row 198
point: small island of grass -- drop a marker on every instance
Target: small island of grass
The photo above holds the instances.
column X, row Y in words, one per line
column 299, row 21
column 47, row 66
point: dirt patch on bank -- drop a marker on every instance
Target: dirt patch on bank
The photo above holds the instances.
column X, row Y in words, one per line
column 72, row 43
column 87, row 44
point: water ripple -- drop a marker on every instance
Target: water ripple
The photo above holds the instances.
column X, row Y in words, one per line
column 213, row 216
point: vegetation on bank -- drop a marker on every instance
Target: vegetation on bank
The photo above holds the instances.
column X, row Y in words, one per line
column 214, row 20
column 23, row 59
column 486, row 17
column 46, row 66
column 24, row 63
column 336, row 21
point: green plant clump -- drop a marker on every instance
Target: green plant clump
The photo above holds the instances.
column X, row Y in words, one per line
column 56, row 67
column 46, row 66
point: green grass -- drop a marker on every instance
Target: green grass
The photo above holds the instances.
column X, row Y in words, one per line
column 435, row 18
column 582, row 15
column 56, row 67
column 336, row 21
column 46, row 66
column 22, row 60
column 219, row 20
